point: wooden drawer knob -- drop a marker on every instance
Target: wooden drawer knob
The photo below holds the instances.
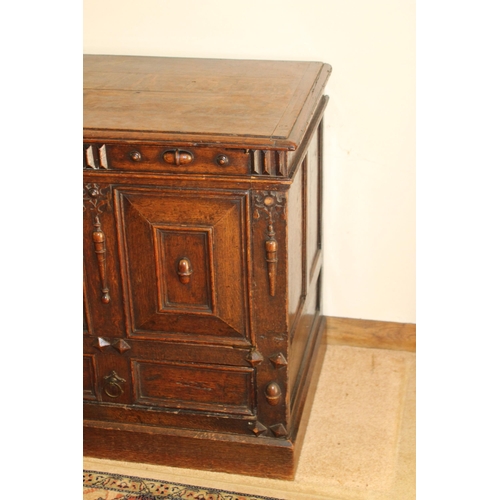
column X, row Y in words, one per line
column 178, row 157
column 184, row 270
column 222, row 160
column 273, row 393
column 136, row 156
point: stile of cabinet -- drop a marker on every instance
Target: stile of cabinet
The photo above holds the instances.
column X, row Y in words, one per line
column 203, row 335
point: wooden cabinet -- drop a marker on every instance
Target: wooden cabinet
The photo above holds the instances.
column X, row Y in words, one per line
column 202, row 187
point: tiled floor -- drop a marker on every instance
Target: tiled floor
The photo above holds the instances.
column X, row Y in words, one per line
column 359, row 444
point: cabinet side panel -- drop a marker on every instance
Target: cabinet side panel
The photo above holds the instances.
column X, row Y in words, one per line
column 313, row 206
column 295, row 246
column 298, row 351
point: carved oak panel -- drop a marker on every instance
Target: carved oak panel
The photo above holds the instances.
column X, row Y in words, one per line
column 184, row 259
column 185, row 264
column 220, row 389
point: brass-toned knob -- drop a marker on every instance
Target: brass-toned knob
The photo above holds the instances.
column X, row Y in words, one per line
column 136, row 156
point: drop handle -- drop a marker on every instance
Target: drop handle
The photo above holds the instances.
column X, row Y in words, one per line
column 113, row 385
column 184, row 270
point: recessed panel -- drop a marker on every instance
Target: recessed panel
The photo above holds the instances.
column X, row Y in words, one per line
column 183, row 269
column 313, row 204
column 185, row 264
column 202, row 387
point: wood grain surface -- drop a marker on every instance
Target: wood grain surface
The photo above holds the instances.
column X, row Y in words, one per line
column 182, row 97
column 369, row 333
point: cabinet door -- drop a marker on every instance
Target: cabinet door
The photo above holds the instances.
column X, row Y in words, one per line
column 185, row 263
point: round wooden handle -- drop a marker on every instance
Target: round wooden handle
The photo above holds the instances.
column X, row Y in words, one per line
column 178, row 157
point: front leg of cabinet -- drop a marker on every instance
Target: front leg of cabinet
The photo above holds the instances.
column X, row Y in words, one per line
column 100, row 250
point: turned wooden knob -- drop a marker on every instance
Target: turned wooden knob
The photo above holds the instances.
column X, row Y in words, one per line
column 136, row 156
column 273, row 393
column 178, row 157
column 222, row 160
column 184, row 270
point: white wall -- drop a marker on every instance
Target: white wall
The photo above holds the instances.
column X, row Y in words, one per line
column 369, row 234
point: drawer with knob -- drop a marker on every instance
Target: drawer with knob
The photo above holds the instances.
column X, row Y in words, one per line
column 171, row 160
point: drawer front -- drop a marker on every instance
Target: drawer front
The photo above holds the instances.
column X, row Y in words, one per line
column 154, row 380
column 219, row 389
column 172, row 160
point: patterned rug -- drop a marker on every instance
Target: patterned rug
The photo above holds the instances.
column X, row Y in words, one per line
column 104, row 486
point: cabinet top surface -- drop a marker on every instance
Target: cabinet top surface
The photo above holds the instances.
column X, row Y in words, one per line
column 237, row 102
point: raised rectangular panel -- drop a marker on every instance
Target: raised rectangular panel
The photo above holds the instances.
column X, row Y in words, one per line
column 313, row 200
column 159, row 228
column 296, row 247
column 220, row 389
column 195, row 290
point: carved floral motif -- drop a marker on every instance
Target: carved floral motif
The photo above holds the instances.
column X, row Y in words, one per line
column 97, row 199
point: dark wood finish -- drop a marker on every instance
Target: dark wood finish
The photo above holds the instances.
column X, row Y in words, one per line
column 203, row 338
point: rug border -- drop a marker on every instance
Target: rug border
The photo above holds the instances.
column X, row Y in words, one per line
column 210, row 490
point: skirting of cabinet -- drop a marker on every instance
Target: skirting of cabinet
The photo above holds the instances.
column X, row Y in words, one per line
column 260, row 455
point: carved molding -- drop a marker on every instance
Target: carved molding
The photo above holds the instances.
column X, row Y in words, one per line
column 270, row 203
column 95, row 157
column 268, row 162
column 95, row 198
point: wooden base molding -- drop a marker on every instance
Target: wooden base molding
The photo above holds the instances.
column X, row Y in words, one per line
column 368, row 333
